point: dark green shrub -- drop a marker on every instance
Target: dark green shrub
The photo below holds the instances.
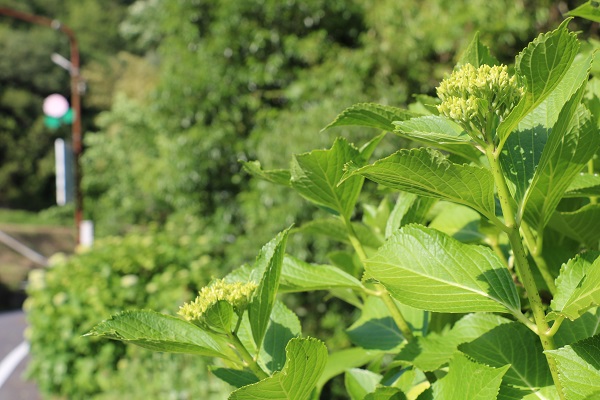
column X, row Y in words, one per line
column 141, row 270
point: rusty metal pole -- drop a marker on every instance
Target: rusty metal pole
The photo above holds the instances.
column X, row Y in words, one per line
column 76, row 90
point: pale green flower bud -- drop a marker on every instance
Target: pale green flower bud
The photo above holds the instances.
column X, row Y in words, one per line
column 471, row 96
column 237, row 294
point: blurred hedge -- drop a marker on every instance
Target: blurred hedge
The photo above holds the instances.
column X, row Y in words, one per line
column 156, row 270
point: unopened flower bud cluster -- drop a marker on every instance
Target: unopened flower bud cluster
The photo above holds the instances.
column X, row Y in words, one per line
column 237, row 294
column 470, row 96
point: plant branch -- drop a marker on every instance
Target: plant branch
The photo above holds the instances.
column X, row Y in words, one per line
column 590, row 165
column 535, row 249
column 522, row 265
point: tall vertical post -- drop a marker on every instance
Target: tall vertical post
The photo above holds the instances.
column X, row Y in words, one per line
column 76, row 90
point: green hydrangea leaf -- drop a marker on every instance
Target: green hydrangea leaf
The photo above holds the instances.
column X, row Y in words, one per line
column 219, row 316
column 427, row 269
column 284, row 325
column 477, row 54
column 375, row 329
column 579, row 368
column 427, row 172
column 460, row 222
column 430, row 352
column 300, row 276
column 583, row 327
column 268, row 268
column 316, row 175
column 235, row 377
column 409, row 208
column 160, row 332
column 336, row 230
column 588, row 10
column 340, row 361
column 578, row 287
column 305, row 362
column 385, row 393
column 515, row 345
column 438, row 132
column 359, row 382
column 469, row 380
column 581, row 225
column 549, row 148
column 542, row 65
column 371, row 115
column 278, row 176
column 584, row 185
column 572, row 143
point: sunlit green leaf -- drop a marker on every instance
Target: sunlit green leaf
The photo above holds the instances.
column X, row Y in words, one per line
column 542, row 64
column 160, row 332
column 427, row 269
column 385, row 393
column 360, row 382
column 578, row 286
column 438, row 132
column 278, row 176
column 430, row 352
column 579, row 368
column 340, row 361
column 219, row 316
column 316, row 175
column 477, row 54
column 336, row 230
column 588, row 10
column 300, row 276
column 550, row 147
column 460, row 222
column 573, row 141
column 469, row 380
column 428, row 173
column 305, row 362
column 587, row 325
column 371, row 115
column 268, row 265
column 409, row 208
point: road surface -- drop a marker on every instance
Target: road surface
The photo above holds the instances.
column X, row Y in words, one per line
column 13, row 359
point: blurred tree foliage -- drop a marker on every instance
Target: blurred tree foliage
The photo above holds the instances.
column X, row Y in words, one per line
column 258, row 79
column 27, row 76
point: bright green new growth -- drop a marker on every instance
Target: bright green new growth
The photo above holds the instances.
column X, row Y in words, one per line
column 472, row 96
column 237, row 294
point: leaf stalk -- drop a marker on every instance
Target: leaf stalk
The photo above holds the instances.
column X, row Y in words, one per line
column 383, row 293
column 249, row 361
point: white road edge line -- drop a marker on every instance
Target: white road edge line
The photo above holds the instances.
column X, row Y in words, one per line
column 12, row 360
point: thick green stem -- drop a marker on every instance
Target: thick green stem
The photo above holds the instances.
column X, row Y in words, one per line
column 522, row 265
column 249, row 361
column 535, row 249
column 383, row 293
column 590, row 165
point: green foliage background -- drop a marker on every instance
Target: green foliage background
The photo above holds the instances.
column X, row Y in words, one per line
column 143, row 269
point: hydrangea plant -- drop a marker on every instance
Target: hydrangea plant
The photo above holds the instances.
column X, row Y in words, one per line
column 495, row 220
